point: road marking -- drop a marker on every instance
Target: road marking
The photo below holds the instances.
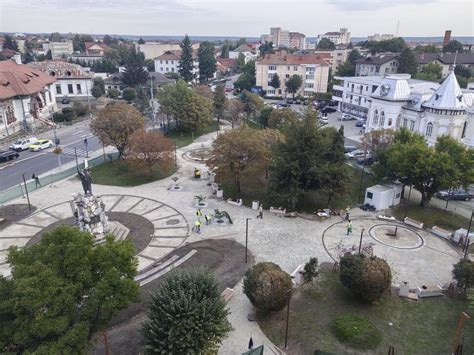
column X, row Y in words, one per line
column 22, row 160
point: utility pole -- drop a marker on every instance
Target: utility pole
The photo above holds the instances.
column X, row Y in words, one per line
column 287, row 319
column 26, row 189
column 360, row 241
column 467, row 242
column 246, row 237
column 459, row 330
column 362, row 176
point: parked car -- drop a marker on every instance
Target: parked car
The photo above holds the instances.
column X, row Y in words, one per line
column 289, row 101
column 323, row 120
column 332, row 103
column 8, row 155
column 298, row 102
column 368, row 207
column 23, row 144
column 349, row 148
column 283, row 104
column 346, row 117
column 41, row 144
column 367, row 160
column 360, row 123
column 358, row 153
column 65, row 100
column 328, row 109
column 455, row 194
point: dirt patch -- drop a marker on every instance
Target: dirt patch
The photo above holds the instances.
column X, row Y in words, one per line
column 14, row 213
column 141, row 229
column 223, row 257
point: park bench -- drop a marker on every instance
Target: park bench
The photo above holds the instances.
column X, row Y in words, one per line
column 429, row 291
column 413, row 222
column 279, row 211
column 443, row 233
column 386, row 218
column 297, row 275
column 235, row 203
column 227, row 294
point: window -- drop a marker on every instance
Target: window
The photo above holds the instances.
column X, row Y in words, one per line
column 309, row 77
column 10, row 115
column 309, row 85
column 69, row 73
column 58, row 89
column 308, row 93
column 352, row 88
column 49, row 96
column 270, row 91
column 272, row 67
column 287, row 76
column 412, row 126
column 172, row 62
column 79, row 89
column 289, row 68
column 405, row 123
column 376, row 117
column 70, row 89
column 166, row 62
column 172, row 69
column 370, row 195
column 382, row 118
column 167, row 69
column 390, row 122
column 429, row 129
column 161, row 62
column 295, row 68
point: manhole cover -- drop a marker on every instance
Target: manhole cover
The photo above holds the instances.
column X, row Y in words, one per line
column 172, row 222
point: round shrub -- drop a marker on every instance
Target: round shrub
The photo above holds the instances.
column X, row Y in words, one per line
column 368, row 278
column 267, row 286
column 356, row 332
column 79, row 109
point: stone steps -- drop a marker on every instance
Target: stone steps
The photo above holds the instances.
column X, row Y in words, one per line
column 118, row 230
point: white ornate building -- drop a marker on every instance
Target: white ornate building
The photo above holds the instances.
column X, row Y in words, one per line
column 431, row 112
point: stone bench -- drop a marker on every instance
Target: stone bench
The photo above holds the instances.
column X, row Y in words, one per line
column 235, row 203
column 280, row 211
column 386, row 218
column 214, row 187
column 297, row 275
column 429, row 291
column 413, row 223
column 227, row 294
column 443, row 233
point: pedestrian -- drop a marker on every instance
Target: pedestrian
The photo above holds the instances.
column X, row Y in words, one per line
column 260, row 212
column 208, row 219
column 250, row 343
column 37, row 182
column 33, row 177
column 199, row 214
column 349, row 227
column 348, row 210
column 197, row 227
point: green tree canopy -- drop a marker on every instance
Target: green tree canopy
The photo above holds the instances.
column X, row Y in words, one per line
column 63, row 290
column 407, row 62
column 247, row 79
column 141, row 41
column 186, row 65
column 129, row 94
column 430, row 48
column 187, row 316
column 431, row 72
column 280, row 118
column 207, row 61
column 10, row 43
column 463, row 273
column 134, row 73
column 346, row 69
column 453, row 46
column 78, row 42
column 219, row 101
column 293, row 84
column 266, row 48
column 55, row 37
column 326, row 43
column 275, row 82
column 394, row 45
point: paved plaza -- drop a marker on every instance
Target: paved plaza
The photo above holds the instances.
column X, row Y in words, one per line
column 415, row 256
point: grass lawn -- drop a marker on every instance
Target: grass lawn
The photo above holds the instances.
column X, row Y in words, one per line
column 418, row 327
column 253, row 189
column 183, row 139
column 431, row 216
column 118, row 173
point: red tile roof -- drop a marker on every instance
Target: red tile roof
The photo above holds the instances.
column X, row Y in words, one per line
column 19, row 80
column 283, row 58
column 90, row 44
column 174, row 55
column 226, row 63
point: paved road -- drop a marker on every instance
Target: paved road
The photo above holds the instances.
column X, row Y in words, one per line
column 44, row 161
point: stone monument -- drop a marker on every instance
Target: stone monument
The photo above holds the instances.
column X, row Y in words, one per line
column 90, row 209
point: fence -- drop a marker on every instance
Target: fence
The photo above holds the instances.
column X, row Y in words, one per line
column 19, row 190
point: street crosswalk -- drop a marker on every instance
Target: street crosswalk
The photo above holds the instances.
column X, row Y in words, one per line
column 70, row 151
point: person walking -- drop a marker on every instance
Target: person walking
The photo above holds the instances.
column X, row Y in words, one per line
column 199, row 214
column 208, row 219
column 348, row 210
column 197, row 227
column 260, row 212
column 349, row 227
column 37, row 182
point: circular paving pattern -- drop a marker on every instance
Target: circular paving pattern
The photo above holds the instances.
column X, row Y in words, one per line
column 200, row 155
column 415, row 256
column 395, row 236
column 168, row 228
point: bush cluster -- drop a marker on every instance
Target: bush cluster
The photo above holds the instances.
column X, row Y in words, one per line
column 67, row 114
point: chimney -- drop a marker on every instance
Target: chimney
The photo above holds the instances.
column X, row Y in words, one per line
column 17, row 58
column 447, row 37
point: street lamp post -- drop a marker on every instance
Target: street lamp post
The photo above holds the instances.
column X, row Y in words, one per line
column 362, row 176
column 26, row 190
column 360, row 241
column 287, row 318
column 246, row 237
column 466, row 243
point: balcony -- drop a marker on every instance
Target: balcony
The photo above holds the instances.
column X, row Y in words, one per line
column 338, row 87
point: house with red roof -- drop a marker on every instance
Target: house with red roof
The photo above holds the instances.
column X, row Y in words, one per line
column 27, row 98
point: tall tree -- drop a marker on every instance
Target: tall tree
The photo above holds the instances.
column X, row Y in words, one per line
column 281, row 118
column 429, row 48
column 220, row 100
column 141, row 41
column 196, row 113
column 431, row 71
column 326, row 43
column 134, row 73
column 353, row 56
column 225, row 49
column 78, row 42
column 453, row 46
column 233, row 111
column 253, row 103
column 407, row 62
column 293, row 84
column 241, row 41
column 266, row 48
column 55, row 37
column 187, row 316
column 247, row 79
column 63, row 290
column 207, row 61
column 346, row 69
column 186, row 65
column 10, row 43
column 275, row 82
column 240, row 62
column 115, row 123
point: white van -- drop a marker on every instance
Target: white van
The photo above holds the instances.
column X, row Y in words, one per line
column 23, row 144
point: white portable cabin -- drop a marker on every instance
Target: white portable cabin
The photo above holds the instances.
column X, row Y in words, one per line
column 383, row 196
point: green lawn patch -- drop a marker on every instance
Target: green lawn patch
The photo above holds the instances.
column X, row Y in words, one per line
column 423, row 327
column 357, row 332
column 430, row 216
column 183, row 139
column 118, row 173
column 256, row 189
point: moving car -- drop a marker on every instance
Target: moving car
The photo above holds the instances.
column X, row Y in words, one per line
column 455, row 194
column 41, row 144
column 323, row 120
column 360, row 123
column 8, row 155
column 328, row 109
column 358, row 153
column 349, row 148
column 23, row 144
column 346, row 117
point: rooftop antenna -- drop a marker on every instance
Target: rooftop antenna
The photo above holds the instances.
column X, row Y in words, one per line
column 398, row 26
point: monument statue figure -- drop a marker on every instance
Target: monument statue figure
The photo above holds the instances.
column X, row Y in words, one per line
column 86, row 180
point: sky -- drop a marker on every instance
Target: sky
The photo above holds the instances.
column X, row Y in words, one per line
column 238, row 17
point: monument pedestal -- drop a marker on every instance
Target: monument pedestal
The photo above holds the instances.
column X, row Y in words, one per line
column 90, row 214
